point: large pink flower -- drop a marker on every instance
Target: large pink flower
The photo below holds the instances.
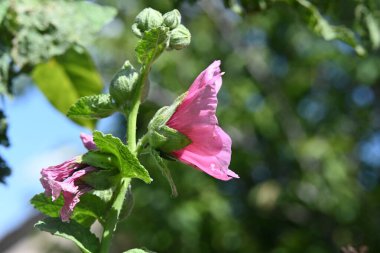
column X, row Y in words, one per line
column 65, row 178
column 210, row 148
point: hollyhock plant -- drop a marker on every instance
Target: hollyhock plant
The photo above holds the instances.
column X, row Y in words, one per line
column 210, row 147
column 66, row 178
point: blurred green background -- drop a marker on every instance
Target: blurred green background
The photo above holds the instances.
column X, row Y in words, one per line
column 302, row 109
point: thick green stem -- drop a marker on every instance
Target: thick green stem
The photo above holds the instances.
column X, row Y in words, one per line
column 113, row 215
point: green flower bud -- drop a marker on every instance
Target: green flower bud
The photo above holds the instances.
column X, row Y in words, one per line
column 162, row 137
column 122, row 85
column 148, row 19
column 167, row 139
column 180, row 38
column 172, row 19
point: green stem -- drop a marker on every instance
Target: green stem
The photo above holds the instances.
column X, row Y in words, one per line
column 113, row 215
column 132, row 117
column 141, row 143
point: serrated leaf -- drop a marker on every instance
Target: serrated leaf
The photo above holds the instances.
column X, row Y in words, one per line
column 92, row 107
column 66, row 78
column 164, row 170
column 129, row 165
column 152, row 44
column 73, row 231
column 89, row 208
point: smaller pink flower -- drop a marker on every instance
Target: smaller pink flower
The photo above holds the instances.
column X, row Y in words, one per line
column 210, row 148
column 66, row 178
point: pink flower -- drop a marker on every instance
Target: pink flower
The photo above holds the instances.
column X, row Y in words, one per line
column 210, row 150
column 65, row 178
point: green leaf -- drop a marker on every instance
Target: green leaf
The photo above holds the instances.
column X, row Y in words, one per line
column 42, row 29
column 92, row 107
column 89, row 208
column 152, row 44
column 73, row 231
column 128, row 204
column 160, row 163
column 128, row 163
column 66, row 78
column 327, row 31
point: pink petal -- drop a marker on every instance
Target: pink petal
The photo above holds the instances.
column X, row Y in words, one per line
column 88, row 141
column 210, row 150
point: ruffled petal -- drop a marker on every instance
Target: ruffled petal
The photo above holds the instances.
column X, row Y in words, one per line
column 210, row 148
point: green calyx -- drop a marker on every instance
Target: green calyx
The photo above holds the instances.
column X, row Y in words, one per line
column 167, row 139
column 147, row 19
column 180, row 38
column 123, row 84
column 172, row 19
column 150, row 19
column 162, row 137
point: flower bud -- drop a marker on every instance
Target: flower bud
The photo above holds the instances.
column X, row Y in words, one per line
column 167, row 139
column 148, row 19
column 180, row 38
column 172, row 19
column 162, row 137
column 123, row 83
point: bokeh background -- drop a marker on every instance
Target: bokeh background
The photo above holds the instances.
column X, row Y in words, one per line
column 301, row 108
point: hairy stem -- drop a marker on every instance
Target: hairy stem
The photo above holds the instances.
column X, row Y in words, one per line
column 132, row 117
column 113, row 215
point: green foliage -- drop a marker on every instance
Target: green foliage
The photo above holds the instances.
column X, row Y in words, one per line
column 81, row 236
column 92, row 107
column 128, row 164
column 39, row 32
column 89, row 208
column 327, row 31
column 41, row 29
column 66, row 78
column 152, row 44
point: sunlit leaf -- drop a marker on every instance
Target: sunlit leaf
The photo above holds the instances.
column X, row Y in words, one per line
column 67, row 78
